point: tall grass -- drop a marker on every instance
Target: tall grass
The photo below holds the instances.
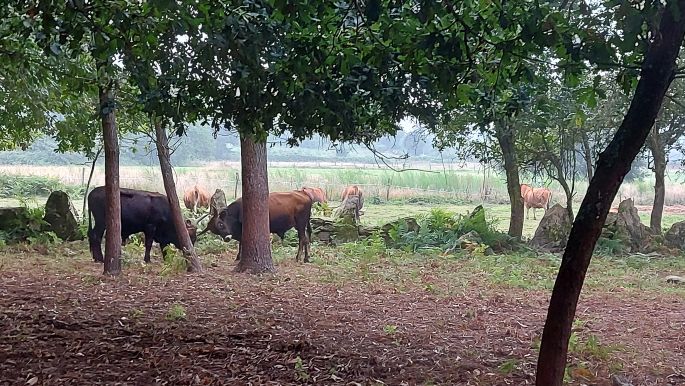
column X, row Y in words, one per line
column 464, row 183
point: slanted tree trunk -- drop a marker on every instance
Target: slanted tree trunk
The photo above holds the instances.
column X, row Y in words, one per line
column 255, row 245
column 505, row 137
column 112, row 195
column 194, row 264
column 587, row 154
column 90, row 179
column 568, row 192
column 659, row 168
column 613, row 164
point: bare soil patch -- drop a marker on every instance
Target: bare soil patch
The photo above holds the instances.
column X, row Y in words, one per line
column 67, row 325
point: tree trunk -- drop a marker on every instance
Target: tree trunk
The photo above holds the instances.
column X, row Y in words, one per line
column 505, row 137
column 255, row 244
column 568, row 192
column 659, row 192
column 90, row 179
column 587, row 154
column 194, row 264
column 613, row 164
column 112, row 195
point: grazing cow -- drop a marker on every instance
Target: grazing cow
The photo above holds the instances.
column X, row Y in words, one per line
column 141, row 211
column 196, row 197
column 316, row 194
column 535, row 198
column 354, row 190
column 286, row 210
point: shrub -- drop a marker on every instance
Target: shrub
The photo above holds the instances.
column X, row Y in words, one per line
column 27, row 226
column 442, row 229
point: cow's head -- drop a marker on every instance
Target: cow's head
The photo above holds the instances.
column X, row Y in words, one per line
column 227, row 224
column 192, row 231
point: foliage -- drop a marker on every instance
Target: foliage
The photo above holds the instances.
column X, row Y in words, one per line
column 442, row 229
column 12, row 186
column 28, row 226
column 174, row 262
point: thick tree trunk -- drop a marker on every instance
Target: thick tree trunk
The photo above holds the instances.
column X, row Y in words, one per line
column 587, row 154
column 505, row 137
column 255, row 245
column 112, row 197
column 613, row 164
column 194, row 264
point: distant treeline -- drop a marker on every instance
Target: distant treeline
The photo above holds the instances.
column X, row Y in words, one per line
column 200, row 146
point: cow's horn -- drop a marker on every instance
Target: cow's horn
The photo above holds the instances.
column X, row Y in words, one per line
column 203, row 232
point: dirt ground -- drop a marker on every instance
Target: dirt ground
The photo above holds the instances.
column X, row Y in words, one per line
column 68, row 325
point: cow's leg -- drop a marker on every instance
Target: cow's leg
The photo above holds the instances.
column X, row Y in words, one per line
column 240, row 251
column 149, row 238
column 95, row 240
column 534, row 209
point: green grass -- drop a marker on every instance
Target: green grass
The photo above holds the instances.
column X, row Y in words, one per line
column 176, row 312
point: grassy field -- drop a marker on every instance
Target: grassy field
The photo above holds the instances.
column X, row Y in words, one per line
column 467, row 184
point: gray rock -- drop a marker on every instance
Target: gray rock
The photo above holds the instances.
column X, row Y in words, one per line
column 61, row 215
column 627, row 227
column 675, row 237
column 348, row 211
column 553, row 231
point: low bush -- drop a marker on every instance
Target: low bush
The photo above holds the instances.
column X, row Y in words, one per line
column 27, row 225
column 442, row 229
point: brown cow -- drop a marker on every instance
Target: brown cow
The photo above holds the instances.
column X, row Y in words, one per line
column 196, row 197
column 354, row 190
column 286, row 210
column 316, row 194
column 535, row 198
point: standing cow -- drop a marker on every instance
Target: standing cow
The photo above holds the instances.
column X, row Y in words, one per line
column 535, row 198
column 141, row 211
column 286, row 210
column 316, row 194
column 196, row 197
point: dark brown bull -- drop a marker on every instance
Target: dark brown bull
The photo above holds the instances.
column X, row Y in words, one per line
column 196, row 197
column 286, row 210
column 316, row 194
column 141, row 211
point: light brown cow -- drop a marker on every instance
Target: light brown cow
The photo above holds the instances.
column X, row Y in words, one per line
column 196, row 197
column 316, row 194
column 354, row 190
column 535, row 198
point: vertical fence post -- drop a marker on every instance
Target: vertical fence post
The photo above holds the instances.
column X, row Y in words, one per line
column 235, row 189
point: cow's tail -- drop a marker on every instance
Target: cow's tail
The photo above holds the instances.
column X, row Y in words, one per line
column 90, row 224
